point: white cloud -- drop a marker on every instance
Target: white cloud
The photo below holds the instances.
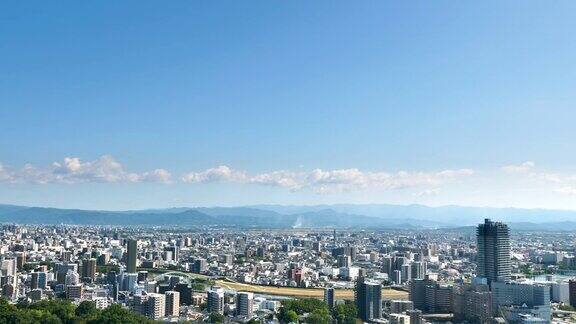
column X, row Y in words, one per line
column 329, row 181
column 519, row 168
column 73, row 170
column 158, row 175
column 567, row 191
column 4, row 174
column 284, row 179
column 428, row 192
column 220, row 173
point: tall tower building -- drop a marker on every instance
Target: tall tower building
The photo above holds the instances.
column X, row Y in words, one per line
column 329, row 297
column 493, row 251
column 172, row 303
column 572, row 292
column 368, row 297
column 244, row 304
column 132, row 256
column 89, row 268
column 156, row 306
column 216, row 300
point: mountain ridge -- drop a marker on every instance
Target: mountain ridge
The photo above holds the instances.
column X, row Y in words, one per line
column 295, row 216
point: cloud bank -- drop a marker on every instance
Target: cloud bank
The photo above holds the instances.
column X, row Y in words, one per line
column 73, row 170
column 106, row 169
column 327, row 181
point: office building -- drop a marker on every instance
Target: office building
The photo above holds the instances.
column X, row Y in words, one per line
column 199, row 265
column 89, row 268
column 329, row 297
column 418, row 270
column 572, row 292
column 415, row 316
column 514, row 298
column 156, row 306
column 397, row 277
column 400, row 306
column 368, row 296
column 185, row 293
column 172, row 303
column 244, row 304
column 216, row 300
column 74, row 291
column 472, row 303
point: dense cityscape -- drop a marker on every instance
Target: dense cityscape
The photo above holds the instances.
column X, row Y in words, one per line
column 287, row 162
column 216, row 274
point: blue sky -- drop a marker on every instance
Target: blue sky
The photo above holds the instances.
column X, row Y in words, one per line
column 139, row 104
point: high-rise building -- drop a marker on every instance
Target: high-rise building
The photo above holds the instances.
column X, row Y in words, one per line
column 61, row 270
column 72, row 278
column 400, row 306
column 89, row 268
column 439, row 298
column 42, row 279
column 418, row 270
column 472, row 303
column 38, row 280
column 8, row 267
column 185, row 293
column 20, row 259
column 216, row 300
column 74, row 291
column 430, row 296
column 244, row 304
column 344, row 261
column 151, row 286
column 368, row 296
column 140, row 304
column 130, row 282
column 522, row 297
column 199, row 265
column 142, row 276
column 156, row 306
column 175, row 252
column 493, row 240
column 406, row 273
column 132, row 248
column 172, row 303
column 34, row 280
column 397, row 277
column 415, row 316
column 572, row 292
column 329, row 297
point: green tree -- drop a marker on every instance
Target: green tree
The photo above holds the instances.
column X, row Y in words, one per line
column 305, row 305
column 116, row 314
column 345, row 313
column 87, row 310
column 319, row 316
column 291, row 317
column 62, row 309
column 216, row 318
column 287, row 315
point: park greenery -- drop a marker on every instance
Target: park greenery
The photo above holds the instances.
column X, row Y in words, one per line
column 316, row 311
column 64, row 312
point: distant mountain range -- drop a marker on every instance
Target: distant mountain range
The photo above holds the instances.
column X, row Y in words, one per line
column 318, row 216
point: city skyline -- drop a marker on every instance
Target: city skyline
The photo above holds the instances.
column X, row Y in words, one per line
column 137, row 105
